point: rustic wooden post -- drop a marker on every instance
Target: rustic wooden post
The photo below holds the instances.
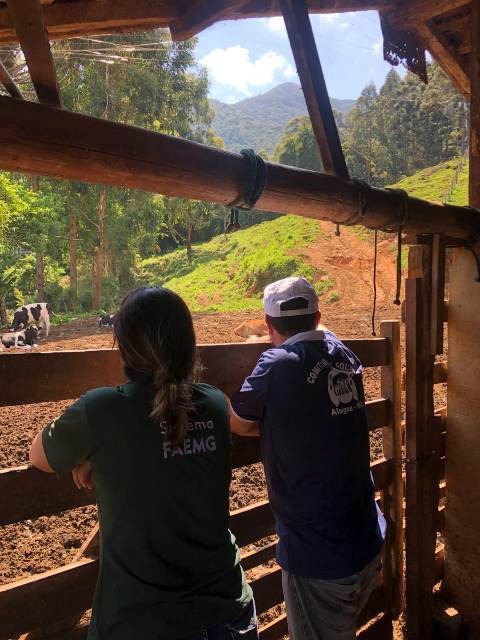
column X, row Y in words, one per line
column 392, row 496
column 422, row 482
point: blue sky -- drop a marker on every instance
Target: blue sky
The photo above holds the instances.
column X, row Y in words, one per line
column 248, row 57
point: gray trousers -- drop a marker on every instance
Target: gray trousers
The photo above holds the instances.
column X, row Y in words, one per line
column 327, row 609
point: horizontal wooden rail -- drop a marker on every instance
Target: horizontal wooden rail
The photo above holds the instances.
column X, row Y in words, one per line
column 259, row 556
column 60, row 375
column 29, row 493
column 68, row 591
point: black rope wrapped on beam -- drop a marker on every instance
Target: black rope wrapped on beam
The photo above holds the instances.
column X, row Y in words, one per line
column 255, row 183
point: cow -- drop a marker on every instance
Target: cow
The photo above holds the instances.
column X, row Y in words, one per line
column 26, row 338
column 257, row 330
column 36, row 313
column 107, row 320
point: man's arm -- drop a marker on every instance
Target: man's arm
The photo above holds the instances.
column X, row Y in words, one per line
column 37, row 455
column 240, row 426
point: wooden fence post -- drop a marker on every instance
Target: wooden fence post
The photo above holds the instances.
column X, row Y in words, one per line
column 392, row 496
column 422, row 481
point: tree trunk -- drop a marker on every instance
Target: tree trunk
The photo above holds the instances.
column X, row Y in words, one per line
column 189, row 241
column 40, row 276
column 3, row 309
column 39, row 261
column 100, row 252
column 72, row 260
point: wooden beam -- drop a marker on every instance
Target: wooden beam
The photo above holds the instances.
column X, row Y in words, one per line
column 200, row 15
column 37, row 139
column 474, row 177
column 223, row 365
column 8, row 82
column 438, row 294
column 411, row 12
column 27, row 17
column 392, row 495
column 421, row 448
column 32, row 493
column 95, row 17
column 452, row 63
column 309, row 69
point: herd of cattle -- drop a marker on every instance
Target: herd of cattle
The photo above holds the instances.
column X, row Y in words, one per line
column 31, row 319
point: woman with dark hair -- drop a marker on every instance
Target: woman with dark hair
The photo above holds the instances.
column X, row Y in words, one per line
column 157, row 451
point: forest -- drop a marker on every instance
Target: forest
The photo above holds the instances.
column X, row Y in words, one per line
column 81, row 247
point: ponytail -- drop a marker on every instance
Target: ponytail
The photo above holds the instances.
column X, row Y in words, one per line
column 155, row 335
column 173, row 404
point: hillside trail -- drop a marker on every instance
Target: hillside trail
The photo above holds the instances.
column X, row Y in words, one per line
column 348, row 260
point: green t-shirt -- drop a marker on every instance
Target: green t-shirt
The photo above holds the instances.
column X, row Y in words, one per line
column 169, row 564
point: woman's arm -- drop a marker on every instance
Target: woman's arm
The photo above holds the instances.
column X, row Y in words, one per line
column 37, row 455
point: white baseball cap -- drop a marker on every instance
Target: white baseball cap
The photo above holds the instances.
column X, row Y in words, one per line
column 281, row 291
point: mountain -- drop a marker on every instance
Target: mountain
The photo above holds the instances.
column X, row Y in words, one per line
column 259, row 122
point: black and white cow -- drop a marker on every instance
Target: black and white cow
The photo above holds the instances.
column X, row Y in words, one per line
column 36, row 313
column 25, row 338
column 107, row 320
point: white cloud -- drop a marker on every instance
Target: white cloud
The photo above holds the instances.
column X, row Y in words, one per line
column 276, row 24
column 233, row 67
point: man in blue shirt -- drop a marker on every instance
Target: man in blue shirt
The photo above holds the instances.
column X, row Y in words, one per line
column 305, row 399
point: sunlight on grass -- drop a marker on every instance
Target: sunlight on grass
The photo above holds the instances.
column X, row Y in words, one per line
column 229, row 274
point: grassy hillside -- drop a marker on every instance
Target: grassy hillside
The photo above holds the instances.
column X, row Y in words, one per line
column 229, row 274
column 433, row 183
column 259, row 122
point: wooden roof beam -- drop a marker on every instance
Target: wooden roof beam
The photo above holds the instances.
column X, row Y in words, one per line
column 450, row 61
column 35, row 138
column 309, row 68
column 27, row 17
column 8, row 82
column 411, row 12
column 95, row 17
column 201, row 15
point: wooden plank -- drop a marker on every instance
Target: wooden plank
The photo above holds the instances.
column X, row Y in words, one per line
column 452, row 63
column 252, row 523
column 200, row 15
column 94, row 17
column 267, row 590
column 223, row 365
column 59, row 593
column 32, row 493
column 309, row 69
column 438, row 294
column 422, row 484
column 8, row 82
column 392, row 496
column 27, row 18
column 259, row 556
column 38, row 139
column 412, row 11
column 379, row 629
column 474, row 167
column 275, row 629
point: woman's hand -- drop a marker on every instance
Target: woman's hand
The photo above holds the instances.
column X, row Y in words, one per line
column 82, row 476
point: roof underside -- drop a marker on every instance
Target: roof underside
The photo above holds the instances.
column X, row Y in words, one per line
column 409, row 26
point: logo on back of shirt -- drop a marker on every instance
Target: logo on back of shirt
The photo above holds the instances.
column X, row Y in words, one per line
column 342, row 389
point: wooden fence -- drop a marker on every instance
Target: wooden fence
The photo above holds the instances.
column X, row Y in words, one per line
column 65, row 593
